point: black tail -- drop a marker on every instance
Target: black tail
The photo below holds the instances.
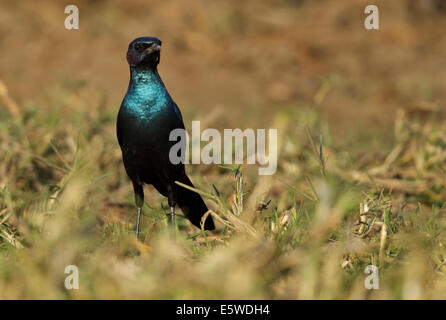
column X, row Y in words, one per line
column 193, row 205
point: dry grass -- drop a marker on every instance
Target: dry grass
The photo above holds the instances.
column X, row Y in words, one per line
column 306, row 233
column 349, row 191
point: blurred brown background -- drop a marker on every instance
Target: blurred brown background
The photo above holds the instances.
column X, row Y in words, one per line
column 246, row 57
column 363, row 185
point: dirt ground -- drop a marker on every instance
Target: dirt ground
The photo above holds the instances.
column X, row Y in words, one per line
column 245, row 57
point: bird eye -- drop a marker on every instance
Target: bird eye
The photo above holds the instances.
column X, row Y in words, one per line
column 138, row 47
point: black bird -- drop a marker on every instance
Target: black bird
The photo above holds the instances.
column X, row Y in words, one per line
column 145, row 120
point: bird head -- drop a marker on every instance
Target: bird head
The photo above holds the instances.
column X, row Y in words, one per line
column 144, row 52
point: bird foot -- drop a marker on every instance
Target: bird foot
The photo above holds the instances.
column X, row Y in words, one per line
column 138, row 218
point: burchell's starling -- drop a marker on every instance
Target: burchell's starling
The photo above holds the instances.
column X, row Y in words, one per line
column 146, row 118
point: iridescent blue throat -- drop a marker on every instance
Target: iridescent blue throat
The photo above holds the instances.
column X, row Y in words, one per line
column 146, row 95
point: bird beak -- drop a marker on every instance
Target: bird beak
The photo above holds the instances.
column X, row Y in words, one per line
column 153, row 48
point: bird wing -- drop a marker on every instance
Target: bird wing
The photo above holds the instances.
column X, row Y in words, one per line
column 118, row 128
column 178, row 113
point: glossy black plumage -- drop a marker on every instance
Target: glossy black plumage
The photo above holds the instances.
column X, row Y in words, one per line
column 145, row 120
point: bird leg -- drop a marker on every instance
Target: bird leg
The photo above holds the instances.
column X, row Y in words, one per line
column 138, row 218
column 139, row 199
column 172, row 217
column 172, row 202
